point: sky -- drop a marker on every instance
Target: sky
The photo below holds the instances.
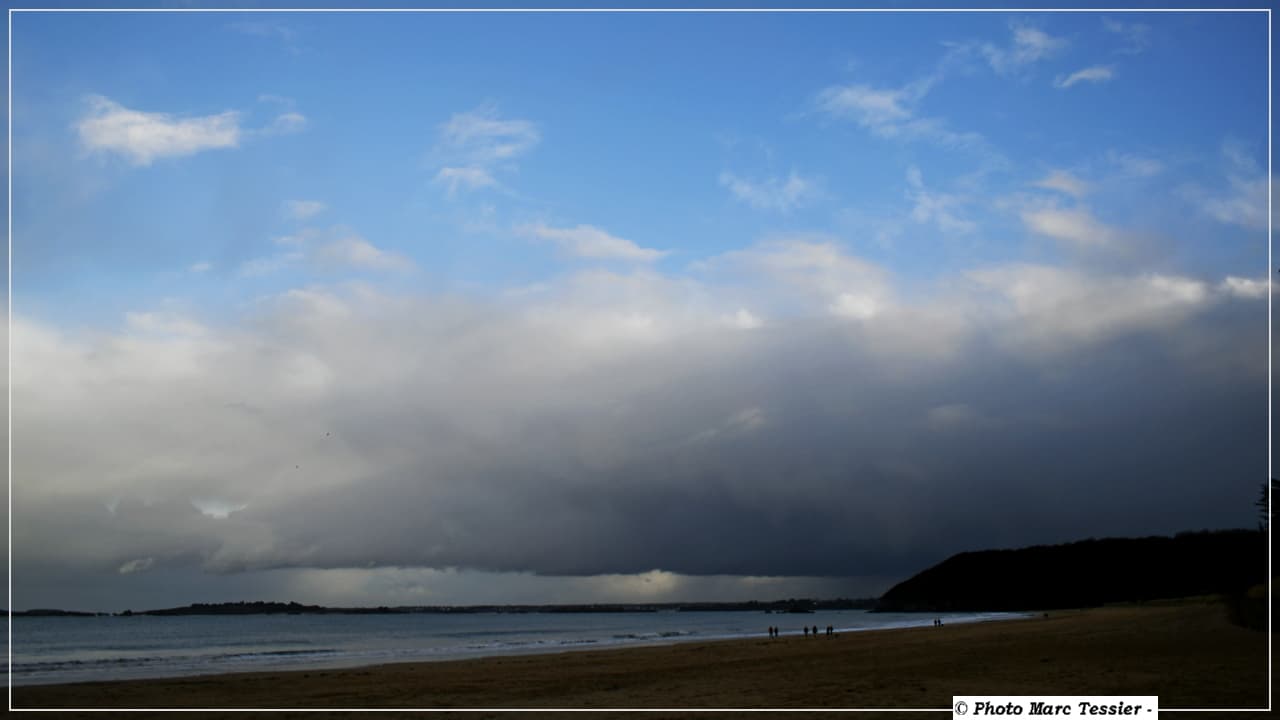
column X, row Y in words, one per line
column 362, row 309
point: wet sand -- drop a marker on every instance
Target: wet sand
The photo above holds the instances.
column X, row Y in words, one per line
column 1186, row 653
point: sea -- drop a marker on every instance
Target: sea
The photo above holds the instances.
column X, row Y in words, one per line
column 75, row 649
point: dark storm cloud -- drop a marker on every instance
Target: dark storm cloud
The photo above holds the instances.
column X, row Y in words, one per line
column 622, row 424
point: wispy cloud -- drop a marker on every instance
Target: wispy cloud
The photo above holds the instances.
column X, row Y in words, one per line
column 1064, row 182
column 1135, row 165
column 773, row 193
column 353, row 251
column 267, row 265
column 263, row 28
column 1243, row 201
column 1029, row 45
column 587, row 241
column 1137, row 36
column 464, row 178
column 286, row 124
column 136, row 566
column 142, row 137
column 474, row 145
column 304, row 209
column 1075, row 227
column 891, row 112
column 270, row 30
column 333, row 250
column 484, row 138
column 936, row 208
column 1094, row 74
column 1245, row 288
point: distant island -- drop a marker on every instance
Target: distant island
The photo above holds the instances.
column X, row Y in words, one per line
column 803, row 605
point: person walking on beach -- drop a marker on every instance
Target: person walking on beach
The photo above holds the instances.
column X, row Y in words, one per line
column 815, row 631
column 806, row 631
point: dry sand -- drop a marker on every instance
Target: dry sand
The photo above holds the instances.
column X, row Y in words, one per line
column 1186, row 653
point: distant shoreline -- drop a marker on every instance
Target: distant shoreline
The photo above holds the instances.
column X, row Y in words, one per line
column 790, row 606
column 1187, row 653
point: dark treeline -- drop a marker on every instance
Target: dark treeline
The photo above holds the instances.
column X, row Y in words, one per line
column 1087, row 573
column 42, row 612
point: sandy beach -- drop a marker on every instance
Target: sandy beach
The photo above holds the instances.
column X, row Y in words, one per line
column 1186, row 653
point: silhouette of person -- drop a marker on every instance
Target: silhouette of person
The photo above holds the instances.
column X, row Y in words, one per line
column 815, row 631
column 806, row 631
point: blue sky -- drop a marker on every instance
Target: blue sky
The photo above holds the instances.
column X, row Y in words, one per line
column 674, row 132
column 599, row 252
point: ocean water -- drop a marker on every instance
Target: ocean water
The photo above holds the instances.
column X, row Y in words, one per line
column 74, row 649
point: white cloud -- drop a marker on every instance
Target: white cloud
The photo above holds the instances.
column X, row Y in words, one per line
column 464, row 178
column 1029, row 45
column 743, row 319
column 356, row 252
column 143, row 137
column 304, row 209
column 1075, row 227
column 1064, row 182
column 334, row 249
column 591, row 242
column 486, row 139
column 1246, row 288
column 285, row 124
column 881, row 110
column 136, row 566
column 1244, row 201
column 935, row 207
column 1095, row 74
column 216, row 508
column 773, row 193
column 475, row 145
column 808, row 274
column 200, row 267
column 1056, row 305
column 891, row 113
